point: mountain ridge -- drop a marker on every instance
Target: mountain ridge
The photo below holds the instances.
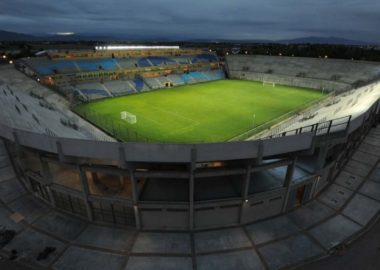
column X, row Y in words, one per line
column 14, row 36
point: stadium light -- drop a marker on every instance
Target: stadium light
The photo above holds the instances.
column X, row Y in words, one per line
column 134, row 47
column 11, row 62
column 4, row 56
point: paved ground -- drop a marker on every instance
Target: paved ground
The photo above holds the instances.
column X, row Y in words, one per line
column 362, row 254
column 317, row 229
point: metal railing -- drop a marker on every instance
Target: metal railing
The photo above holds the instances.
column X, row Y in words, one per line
column 322, row 128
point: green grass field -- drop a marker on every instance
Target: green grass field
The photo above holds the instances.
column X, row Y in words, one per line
column 207, row 112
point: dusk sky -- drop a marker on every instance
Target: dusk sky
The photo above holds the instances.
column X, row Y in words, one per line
column 212, row 19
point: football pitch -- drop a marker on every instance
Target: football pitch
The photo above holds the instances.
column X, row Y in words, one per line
column 207, row 112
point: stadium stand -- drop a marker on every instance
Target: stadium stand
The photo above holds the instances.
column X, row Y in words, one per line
column 337, row 110
column 153, row 83
column 215, row 74
column 182, row 60
column 158, row 60
column 187, row 78
column 205, row 58
column 199, row 76
column 95, row 78
column 127, row 63
column 330, row 74
column 45, row 66
column 27, row 105
column 96, row 64
column 93, row 90
column 139, row 84
column 120, row 87
column 144, row 62
column 175, row 79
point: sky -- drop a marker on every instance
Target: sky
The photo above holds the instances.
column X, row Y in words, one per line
column 203, row 19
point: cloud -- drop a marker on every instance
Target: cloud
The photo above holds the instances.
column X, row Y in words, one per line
column 245, row 19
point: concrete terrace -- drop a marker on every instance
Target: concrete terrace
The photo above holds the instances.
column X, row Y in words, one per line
column 342, row 213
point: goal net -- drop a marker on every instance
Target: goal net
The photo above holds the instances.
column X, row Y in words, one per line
column 129, row 117
column 269, row 83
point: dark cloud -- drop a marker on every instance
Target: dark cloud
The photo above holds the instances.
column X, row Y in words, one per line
column 234, row 19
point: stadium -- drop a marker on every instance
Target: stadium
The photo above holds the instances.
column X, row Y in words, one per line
column 163, row 138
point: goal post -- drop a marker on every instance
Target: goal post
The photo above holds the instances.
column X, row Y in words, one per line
column 269, row 83
column 129, row 117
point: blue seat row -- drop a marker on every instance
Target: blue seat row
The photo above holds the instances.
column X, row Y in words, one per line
column 109, row 64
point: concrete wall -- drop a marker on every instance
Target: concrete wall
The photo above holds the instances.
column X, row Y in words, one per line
column 140, row 152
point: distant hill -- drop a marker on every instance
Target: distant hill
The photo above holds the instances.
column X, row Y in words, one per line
column 324, row 40
column 12, row 36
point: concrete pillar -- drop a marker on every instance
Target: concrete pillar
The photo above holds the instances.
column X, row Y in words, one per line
column 121, row 180
column 288, row 181
column 322, row 157
column 191, row 200
column 247, row 180
column 289, row 173
column 191, row 188
column 94, row 177
column 48, row 179
column 135, row 198
column 245, row 190
column 86, row 192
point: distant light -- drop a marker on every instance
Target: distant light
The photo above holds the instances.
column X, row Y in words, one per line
column 210, row 50
column 133, row 47
column 280, row 54
column 11, row 62
column 326, row 56
column 246, row 52
column 65, row 33
column 227, row 53
column 246, row 201
column 38, row 79
column 4, row 56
